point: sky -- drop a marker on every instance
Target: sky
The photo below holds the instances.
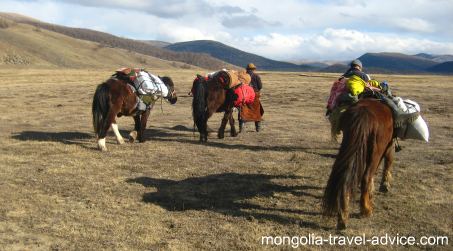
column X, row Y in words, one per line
column 289, row 30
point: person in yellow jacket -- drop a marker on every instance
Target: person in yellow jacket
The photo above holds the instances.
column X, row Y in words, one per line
column 358, row 81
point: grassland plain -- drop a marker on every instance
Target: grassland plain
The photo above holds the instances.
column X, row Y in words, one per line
column 57, row 191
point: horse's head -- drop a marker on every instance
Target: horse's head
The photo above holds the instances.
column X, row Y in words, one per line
column 172, row 97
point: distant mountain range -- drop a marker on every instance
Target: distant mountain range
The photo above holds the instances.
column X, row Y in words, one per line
column 395, row 63
column 235, row 56
column 436, row 58
column 373, row 62
column 442, row 68
column 398, row 63
column 32, row 42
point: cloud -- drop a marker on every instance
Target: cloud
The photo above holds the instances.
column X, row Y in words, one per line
column 414, row 24
column 338, row 44
column 176, row 33
column 163, row 8
column 246, row 21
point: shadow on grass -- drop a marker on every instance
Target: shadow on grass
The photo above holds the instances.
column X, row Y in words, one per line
column 164, row 134
column 228, row 193
column 68, row 138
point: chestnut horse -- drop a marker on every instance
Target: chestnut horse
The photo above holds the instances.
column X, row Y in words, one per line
column 117, row 97
column 209, row 97
column 367, row 139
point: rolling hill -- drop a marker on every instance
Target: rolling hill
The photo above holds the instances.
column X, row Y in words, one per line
column 398, row 63
column 442, row 68
column 435, row 58
column 235, row 56
column 156, row 43
column 395, row 63
column 23, row 45
column 108, row 40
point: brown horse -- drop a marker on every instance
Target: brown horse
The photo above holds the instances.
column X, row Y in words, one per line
column 367, row 139
column 117, row 97
column 209, row 96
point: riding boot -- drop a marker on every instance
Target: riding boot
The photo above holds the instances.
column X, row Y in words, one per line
column 257, row 126
column 399, row 117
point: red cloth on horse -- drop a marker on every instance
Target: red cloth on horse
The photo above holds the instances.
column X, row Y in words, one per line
column 337, row 89
column 246, row 95
column 253, row 111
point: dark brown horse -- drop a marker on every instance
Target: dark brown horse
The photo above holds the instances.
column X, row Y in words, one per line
column 116, row 97
column 367, row 139
column 210, row 96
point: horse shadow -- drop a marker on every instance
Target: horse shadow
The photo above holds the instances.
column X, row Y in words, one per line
column 164, row 134
column 229, row 194
column 67, row 138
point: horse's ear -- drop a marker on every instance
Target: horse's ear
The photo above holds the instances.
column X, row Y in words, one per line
column 199, row 76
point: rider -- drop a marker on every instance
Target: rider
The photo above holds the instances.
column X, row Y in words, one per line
column 357, row 83
column 256, row 84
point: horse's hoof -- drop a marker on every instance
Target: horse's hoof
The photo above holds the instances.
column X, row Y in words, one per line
column 341, row 226
column 101, row 145
column 221, row 136
column 120, row 141
column 384, row 188
column 235, row 134
column 132, row 136
column 365, row 213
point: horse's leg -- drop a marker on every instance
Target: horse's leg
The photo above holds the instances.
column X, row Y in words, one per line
column 233, row 132
column 119, row 138
column 343, row 210
column 387, row 175
column 223, row 125
column 367, row 186
column 143, row 121
column 133, row 134
column 111, row 115
column 366, row 207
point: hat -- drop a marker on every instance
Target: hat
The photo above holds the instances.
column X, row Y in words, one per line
column 251, row 66
column 356, row 62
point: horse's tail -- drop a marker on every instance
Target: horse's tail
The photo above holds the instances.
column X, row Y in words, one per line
column 100, row 106
column 350, row 164
column 199, row 104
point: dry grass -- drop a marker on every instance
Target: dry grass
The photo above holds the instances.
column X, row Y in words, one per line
column 58, row 192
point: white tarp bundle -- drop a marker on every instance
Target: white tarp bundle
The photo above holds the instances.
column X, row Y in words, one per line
column 149, row 84
column 417, row 129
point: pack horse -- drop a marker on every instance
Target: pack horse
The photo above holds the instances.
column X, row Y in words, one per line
column 218, row 92
column 128, row 92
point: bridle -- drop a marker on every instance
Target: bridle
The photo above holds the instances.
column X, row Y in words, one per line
column 172, row 93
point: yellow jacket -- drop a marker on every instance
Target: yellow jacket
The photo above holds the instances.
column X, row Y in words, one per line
column 356, row 84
